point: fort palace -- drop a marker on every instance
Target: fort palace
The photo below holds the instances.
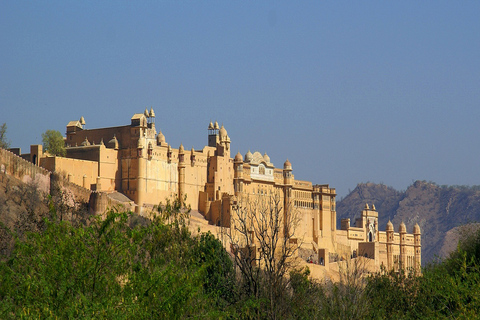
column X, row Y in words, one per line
column 136, row 164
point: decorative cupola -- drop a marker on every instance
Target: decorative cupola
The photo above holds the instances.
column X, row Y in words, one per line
column 403, row 228
column 181, row 153
column 85, row 142
column 238, row 157
column 266, row 158
column 389, row 226
column 248, row 156
column 113, row 143
column 416, row 229
column 151, row 118
column 82, row 122
column 215, row 126
column 160, row 138
column 223, row 134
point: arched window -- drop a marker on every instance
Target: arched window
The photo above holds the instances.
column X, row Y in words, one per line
column 261, row 170
column 370, row 237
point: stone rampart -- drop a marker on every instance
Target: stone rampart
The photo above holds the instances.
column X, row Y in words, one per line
column 19, row 168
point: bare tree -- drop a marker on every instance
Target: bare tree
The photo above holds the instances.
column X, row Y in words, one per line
column 264, row 244
column 346, row 299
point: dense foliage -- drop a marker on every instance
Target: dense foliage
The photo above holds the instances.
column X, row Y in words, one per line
column 122, row 266
column 115, row 268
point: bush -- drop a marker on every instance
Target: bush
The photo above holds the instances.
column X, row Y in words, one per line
column 108, row 269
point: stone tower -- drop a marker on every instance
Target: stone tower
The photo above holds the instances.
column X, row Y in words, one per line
column 417, row 246
column 238, row 178
column 141, row 177
column 288, row 184
column 403, row 245
column 181, row 172
column 389, row 232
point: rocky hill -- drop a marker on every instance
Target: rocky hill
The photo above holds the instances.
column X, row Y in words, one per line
column 439, row 210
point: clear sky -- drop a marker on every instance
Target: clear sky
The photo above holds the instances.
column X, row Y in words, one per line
column 348, row 91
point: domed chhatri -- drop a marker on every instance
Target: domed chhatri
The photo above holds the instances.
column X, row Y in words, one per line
column 248, row 156
column 160, row 138
column 238, row 157
column 287, row 165
column 223, row 133
column 416, row 229
column 266, row 158
column 113, row 143
column 389, row 226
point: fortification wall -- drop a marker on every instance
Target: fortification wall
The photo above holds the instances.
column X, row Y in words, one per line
column 24, row 170
column 27, row 172
column 78, row 193
column 80, row 172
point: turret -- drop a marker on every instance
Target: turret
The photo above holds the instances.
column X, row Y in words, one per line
column 238, row 167
column 403, row 245
column 390, row 233
column 418, row 247
column 287, row 173
column 181, row 172
column 225, row 140
column 141, row 183
column 288, row 182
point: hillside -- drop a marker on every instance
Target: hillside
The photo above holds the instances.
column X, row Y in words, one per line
column 439, row 210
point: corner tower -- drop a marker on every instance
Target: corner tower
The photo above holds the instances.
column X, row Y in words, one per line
column 418, row 247
column 288, row 184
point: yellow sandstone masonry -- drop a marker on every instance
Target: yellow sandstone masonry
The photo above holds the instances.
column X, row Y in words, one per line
column 136, row 160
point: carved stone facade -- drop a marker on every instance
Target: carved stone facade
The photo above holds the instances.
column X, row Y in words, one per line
column 137, row 161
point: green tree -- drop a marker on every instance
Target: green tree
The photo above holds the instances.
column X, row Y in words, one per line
column 115, row 268
column 53, row 143
column 4, row 143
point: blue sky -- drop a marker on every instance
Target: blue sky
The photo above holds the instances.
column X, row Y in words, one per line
column 348, row 91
